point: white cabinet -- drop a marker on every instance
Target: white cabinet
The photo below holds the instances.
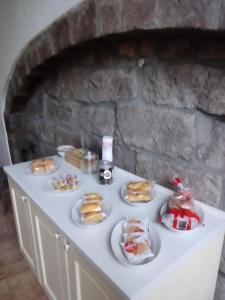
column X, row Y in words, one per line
column 24, row 225
column 49, row 256
column 70, row 267
column 65, row 274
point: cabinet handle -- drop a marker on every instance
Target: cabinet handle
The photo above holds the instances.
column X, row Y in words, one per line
column 67, row 246
column 57, row 235
column 24, row 198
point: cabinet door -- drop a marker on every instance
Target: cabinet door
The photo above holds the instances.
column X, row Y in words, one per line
column 86, row 282
column 48, row 240
column 21, row 208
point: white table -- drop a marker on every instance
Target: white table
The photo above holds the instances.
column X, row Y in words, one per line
column 187, row 264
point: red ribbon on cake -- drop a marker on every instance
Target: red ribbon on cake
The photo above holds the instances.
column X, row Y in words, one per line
column 183, row 212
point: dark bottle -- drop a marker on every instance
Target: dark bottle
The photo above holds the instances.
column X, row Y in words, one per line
column 105, row 168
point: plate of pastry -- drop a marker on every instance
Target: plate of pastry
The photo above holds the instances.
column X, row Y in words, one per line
column 135, row 242
column 63, row 183
column 43, row 166
column 138, row 193
column 91, row 210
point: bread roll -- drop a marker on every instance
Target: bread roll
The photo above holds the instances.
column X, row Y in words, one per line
column 90, row 207
column 141, row 197
column 92, row 197
column 139, row 186
column 93, row 217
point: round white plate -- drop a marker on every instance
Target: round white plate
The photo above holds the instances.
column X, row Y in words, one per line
column 123, row 192
column 50, row 187
column 198, row 209
column 56, row 162
column 76, row 216
column 116, row 239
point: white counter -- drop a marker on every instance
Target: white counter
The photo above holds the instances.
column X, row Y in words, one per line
column 136, row 282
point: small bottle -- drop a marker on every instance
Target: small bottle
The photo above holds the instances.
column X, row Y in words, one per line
column 107, row 147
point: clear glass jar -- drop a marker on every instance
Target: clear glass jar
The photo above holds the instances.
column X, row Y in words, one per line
column 89, row 162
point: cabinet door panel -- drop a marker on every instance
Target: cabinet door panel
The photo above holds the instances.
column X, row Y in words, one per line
column 48, row 240
column 90, row 288
column 86, row 282
column 23, row 223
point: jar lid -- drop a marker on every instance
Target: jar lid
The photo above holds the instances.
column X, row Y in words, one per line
column 89, row 155
column 105, row 164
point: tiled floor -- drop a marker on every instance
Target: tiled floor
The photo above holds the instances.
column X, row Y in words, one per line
column 16, row 280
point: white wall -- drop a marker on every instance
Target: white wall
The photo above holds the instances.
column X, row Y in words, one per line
column 20, row 21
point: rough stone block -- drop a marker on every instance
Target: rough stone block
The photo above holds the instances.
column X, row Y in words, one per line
column 158, row 130
column 43, row 46
column 59, row 35
column 73, row 84
column 45, row 149
column 60, row 113
column 21, row 69
column 204, row 125
column 31, row 57
column 206, row 187
column 46, row 132
column 112, row 85
column 221, row 15
column 82, row 22
column 97, row 120
column 52, row 86
column 138, row 14
column 65, row 137
column 109, row 12
column 124, row 158
column 212, row 91
column 173, row 85
column 213, row 154
column 185, row 13
column 36, row 105
column 220, row 288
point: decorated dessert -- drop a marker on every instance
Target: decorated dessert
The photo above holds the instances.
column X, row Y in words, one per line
column 139, row 191
column 92, row 209
column 181, row 211
column 65, row 183
column 43, row 166
column 136, row 244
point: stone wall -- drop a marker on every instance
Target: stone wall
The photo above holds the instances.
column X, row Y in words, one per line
column 162, row 97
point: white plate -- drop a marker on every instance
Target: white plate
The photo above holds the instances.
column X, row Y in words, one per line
column 123, row 192
column 76, row 216
column 50, row 187
column 56, row 162
column 116, row 239
column 198, row 209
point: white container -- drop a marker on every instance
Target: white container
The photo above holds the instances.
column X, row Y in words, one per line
column 107, row 145
column 61, row 150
